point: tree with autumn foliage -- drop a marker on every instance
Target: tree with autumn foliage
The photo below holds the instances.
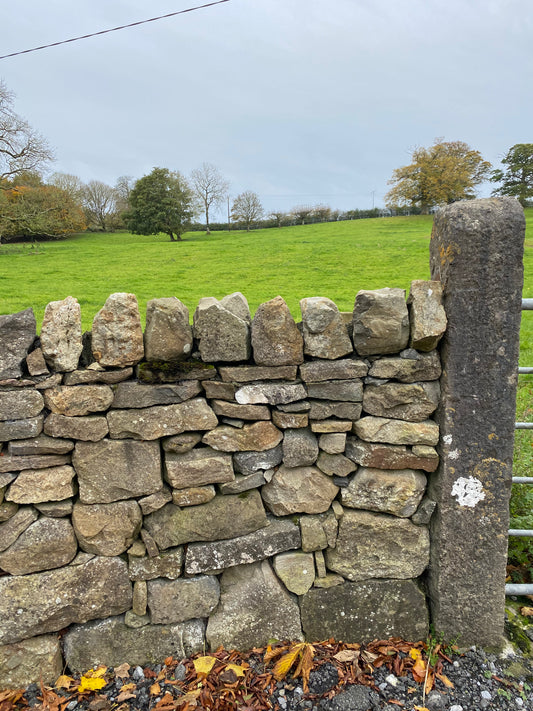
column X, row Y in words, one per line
column 445, row 172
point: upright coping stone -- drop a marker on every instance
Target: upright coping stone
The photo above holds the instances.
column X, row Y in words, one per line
column 476, row 252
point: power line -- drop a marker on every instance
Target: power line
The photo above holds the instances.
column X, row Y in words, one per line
column 114, row 29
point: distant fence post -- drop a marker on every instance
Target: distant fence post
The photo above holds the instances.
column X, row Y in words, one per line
column 476, row 252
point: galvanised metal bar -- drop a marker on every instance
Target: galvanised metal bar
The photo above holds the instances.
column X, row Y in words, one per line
column 523, row 425
column 525, row 371
column 519, row 589
column 527, row 304
column 523, row 479
column 520, row 532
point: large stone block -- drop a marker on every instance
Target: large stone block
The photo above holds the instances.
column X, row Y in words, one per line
column 413, row 402
column 46, row 544
column 165, row 565
column 322, row 409
column 300, row 448
column 317, row 371
column 394, row 492
column 30, row 661
column 382, row 429
column 391, row 456
column 380, row 321
column 87, row 429
column 106, row 529
column 21, row 429
column 222, row 330
column 76, row 593
column 197, row 468
column 339, row 390
column 117, row 338
column 20, row 404
column 296, row 570
column 136, row 395
column 249, row 462
column 61, row 334
column 17, row 333
column 299, row 490
column 276, row 339
column 250, row 373
column 271, row 393
column 168, row 335
column 41, row 444
column 161, row 421
column 183, row 599
column 324, row 331
column 15, row 525
column 240, row 412
column 78, row 400
column 410, row 367
column 256, row 437
column 33, row 486
column 9, row 463
column 90, row 376
column 426, row 314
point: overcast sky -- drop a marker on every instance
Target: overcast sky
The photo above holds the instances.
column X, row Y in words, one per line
column 301, row 101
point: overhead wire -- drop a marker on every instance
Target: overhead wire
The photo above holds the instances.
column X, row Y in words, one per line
column 114, row 29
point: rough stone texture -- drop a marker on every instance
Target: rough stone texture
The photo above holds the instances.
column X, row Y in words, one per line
column 322, row 409
column 138, row 395
column 300, row 448
column 279, row 535
column 242, row 412
column 223, row 517
column 93, row 590
column 30, row 661
column 333, row 443
column 16, row 524
column 182, row 599
column 331, row 426
column 248, row 462
column 393, row 492
column 20, row 404
column 10, row 463
column 276, row 339
column 390, row 456
column 254, row 608
column 249, row 373
column 424, row 512
column 296, row 570
column 111, row 470
column 324, row 331
column 290, row 420
column 222, row 334
column 340, row 390
column 20, row 429
column 215, row 390
column 56, row 509
column 41, row 445
column 48, row 543
column 256, row 437
column 364, row 611
column 271, row 393
column 117, row 338
column 380, row 321
column 168, row 335
column 36, row 364
column 111, row 643
column 88, row 429
column 476, row 243
column 335, row 464
column 371, row 545
column 244, row 483
column 317, row 371
column 298, row 406
column 7, row 511
column 165, row 565
column 17, row 333
column 79, row 400
column 422, row 366
column 181, row 443
column 330, row 580
column 61, row 334
column 413, row 402
column 426, row 314
column 106, row 529
column 155, row 501
column 89, row 376
column 160, row 421
column 33, row 486
column 299, row 490
column 319, row 531
column 157, row 371
column 382, row 429
column 193, row 496
column 140, row 598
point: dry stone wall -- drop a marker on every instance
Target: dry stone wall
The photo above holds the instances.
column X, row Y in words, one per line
column 228, row 482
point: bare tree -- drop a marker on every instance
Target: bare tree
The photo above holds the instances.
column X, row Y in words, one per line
column 71, row 184
column 322, row 213
column 302, row 213
column 246, row 209
column 22, row 149
column 210, row 187
column 99, row 202
column 280, row 216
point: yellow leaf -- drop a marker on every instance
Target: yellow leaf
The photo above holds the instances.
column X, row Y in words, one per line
column 155, row 689
column 203, row 665
column 237, row 670
column 90, row 684
column 188, row 698
column 421, row 708
column 415, row 653
column 281, row 668
column 96, row 673
column 305, row 665
column 526, row 611
column 64, row 682
column 128, row 687
column 445, row 681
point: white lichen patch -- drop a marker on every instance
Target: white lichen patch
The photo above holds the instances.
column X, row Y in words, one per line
column 454, row 454
column 447, row 439
column 468, row 492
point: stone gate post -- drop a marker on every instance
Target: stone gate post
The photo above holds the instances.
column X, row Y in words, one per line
column 476, row 252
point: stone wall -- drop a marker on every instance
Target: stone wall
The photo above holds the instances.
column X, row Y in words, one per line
column 226, row 483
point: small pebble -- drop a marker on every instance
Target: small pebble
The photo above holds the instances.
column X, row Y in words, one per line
column 392, row 680
column 180, row 672
column 519, row 702
column 138, row 673
column 456, row 707
column 486, row 695
column 72, row 705
column 282, row 701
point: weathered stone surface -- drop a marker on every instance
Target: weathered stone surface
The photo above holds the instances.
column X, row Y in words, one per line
column 20, row 429
column 333, row 443
column 222, row 334
column 88, row 429
column 50, row 382
column 10, row 463
column 90, row 376
column 248, row 462
column 281, row 534
column 394, row 492
column 426, row 314
column 40, row 445
column 371, row 545
column 317, row 371
column 300, row 448
column 380, row 321
column 271, row 393
column 329, row 580
column 298, row 406
column 181, row 443
column 165, row 565
column 61, row 334
column 256, row 437
column 47, row 543
column 137, row 395
column 322, row 409
column 99, row 588
column 33, row 486
column 250, row 373
column 382, row 429
column 182, row 599
column 422, row 366
column 168, row 335
column 111, row 642
column 193, row 496
column 78, row 400
column 390, row 456
column 106, row 529
column 319, row 531
column 162, row 371
column 254, row 607
column 331, row 426
column 422, row 516
column 413, row 402
column 299, row 490
column 276, row 339
column 56, row 509
column 214, row 389
column 160, row 421
column 117, row 338
column 290, row 420
column 241, row 412
column 243, row 483
column 340, row 390
column 324, row 331
column 30, row 661
column 335, row 464
column 223, row 517
column 155, row 501
column 20, row 404
column 111, row 470
column 140, row 598
column 320, row 564
column 17, row 333
column 362, row 612
column 7, row 511
column 16, row 524
column 36, row 363
column 296, row 570
column 136, row 621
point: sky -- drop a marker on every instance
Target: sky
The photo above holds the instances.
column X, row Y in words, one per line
column 301, row 101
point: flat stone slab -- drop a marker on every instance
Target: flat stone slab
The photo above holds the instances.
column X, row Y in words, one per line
column 34, row 486
column 390, row 456
column 250, row 373
column 383, row 429
column 46, row 544
column 20, row 404
column 317, row 371
column 413, row 402
column 42, row 444
column 30, row 661
column 339, row 390
column 10, row 463
column 21, row 429
column 183, row 599
column 89, row 376
column 167, row 564
column 87, row 429
column 396, row 492
column 136, row 395
column 418, row 367
column 256, row 437
column 299, row 490
column 270, row 393
column 240, row 412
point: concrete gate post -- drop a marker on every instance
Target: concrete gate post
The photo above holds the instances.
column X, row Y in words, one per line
column 476, row 252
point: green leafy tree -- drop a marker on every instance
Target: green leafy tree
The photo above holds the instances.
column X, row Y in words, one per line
column 445, row 172
column 517, row 177
column 161, row 201
column 247, row 209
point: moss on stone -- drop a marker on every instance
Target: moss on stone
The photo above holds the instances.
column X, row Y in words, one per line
column 159, row 371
